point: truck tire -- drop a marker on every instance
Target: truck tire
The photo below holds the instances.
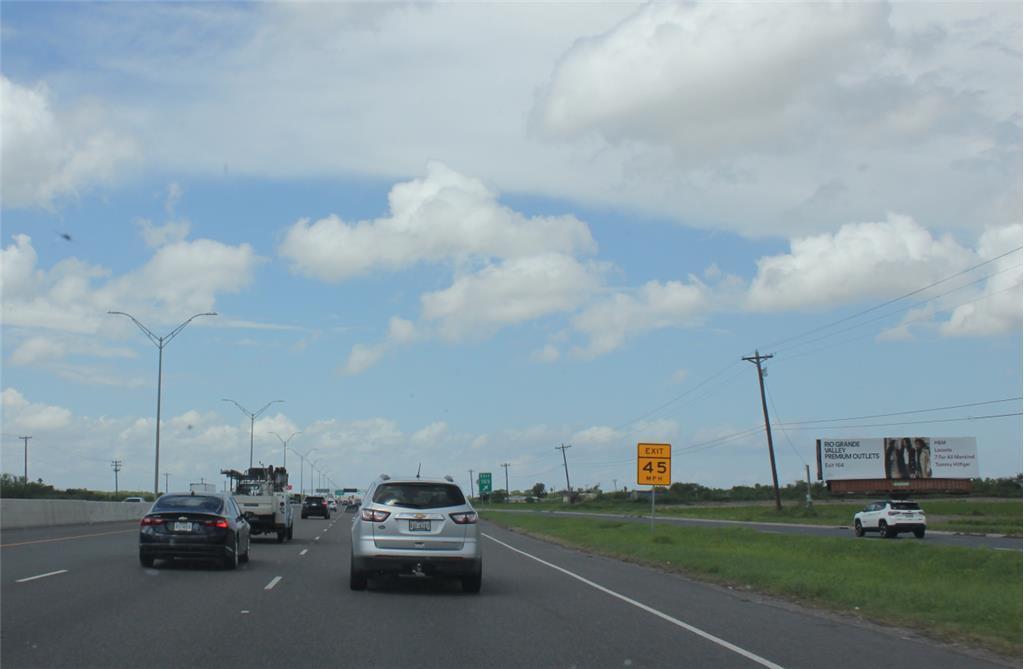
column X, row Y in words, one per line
column 290, row 529
column 356, row 579
column 281, row 534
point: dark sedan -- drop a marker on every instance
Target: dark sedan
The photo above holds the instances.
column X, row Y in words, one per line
column 194, row 525
column 314, row 505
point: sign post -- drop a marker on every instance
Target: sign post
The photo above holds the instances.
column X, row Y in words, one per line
column 653, row 468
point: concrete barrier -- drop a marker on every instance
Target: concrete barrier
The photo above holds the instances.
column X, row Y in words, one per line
column 15, row 513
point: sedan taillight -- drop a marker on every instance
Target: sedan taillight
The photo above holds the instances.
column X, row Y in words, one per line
column 152, row 520
column 374, row 516
column 219, row 523
column 464, row 518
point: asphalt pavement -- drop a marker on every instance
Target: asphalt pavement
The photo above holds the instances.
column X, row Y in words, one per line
column 77, row 597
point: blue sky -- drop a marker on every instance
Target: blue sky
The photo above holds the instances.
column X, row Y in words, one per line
column 462, row 235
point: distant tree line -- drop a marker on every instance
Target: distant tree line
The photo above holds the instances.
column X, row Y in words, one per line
column 689, row 493
column 16, row 487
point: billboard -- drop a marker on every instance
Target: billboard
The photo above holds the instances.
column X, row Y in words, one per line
column 897, row 458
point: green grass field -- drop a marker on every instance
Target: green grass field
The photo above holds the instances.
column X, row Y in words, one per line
column 953, row 594
column 950, row 515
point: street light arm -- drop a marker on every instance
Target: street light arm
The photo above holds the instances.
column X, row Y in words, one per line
column 173, row 333
column 241, row 408
column 146, row 331
column 265, row 407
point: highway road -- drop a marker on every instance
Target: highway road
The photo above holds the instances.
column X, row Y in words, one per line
column 931, row 536
column 77, row 597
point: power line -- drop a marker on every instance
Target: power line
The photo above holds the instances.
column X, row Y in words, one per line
column 904, row 413
column 912, row 306
column 893, row 300
column 912, row 422
column 678, row 397
column 802, row 354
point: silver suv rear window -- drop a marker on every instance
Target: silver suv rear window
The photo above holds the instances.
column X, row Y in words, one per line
column 419, row 495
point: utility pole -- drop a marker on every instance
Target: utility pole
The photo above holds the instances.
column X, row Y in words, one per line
column 25, row 439
column 566, row 463
column 505, row 465
column 116, row 465
column 471, row 484
column 756, row 359
column 807, row 469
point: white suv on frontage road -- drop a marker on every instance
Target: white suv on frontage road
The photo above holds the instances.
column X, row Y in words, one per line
column 889, row 518
column 416, row 526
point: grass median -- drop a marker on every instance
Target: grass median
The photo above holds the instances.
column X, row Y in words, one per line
column 949, row 593
column 950, row 515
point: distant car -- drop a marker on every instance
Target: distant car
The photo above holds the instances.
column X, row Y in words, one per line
column 332, row 505
column 133, row 499
column 194, row 525
column 890, row 518
column 315, row 506
column 424, row 527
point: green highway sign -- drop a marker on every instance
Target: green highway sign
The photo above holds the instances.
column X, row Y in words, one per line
column 483, row 484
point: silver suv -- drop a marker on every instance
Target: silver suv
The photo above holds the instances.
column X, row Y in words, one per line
column 418, row 526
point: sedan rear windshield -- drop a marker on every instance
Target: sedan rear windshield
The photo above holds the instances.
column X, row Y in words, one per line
column 419, row 495
column 314, row 500
column 906, row 506
column 194, row 503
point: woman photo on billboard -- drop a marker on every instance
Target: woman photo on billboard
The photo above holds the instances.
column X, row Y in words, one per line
column 924, row 457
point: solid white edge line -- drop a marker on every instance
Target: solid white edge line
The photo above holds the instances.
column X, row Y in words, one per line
column 664, row 616
column 274, row 581
column 304, row 551
column 32, row 578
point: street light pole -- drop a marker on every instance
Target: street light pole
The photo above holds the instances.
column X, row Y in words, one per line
column 252, row 420
column 160, row 342
column 284, row 442
column 302, row 470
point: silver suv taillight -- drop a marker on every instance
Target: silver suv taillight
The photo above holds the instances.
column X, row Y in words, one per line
column 374, row 516
column 464, row 518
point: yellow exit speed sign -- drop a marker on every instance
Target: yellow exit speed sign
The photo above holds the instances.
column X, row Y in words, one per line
column 654, row 464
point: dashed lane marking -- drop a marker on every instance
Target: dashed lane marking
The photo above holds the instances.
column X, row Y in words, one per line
column 32, row 578
column 304, row 551
column 274, row 581
column 664, row 616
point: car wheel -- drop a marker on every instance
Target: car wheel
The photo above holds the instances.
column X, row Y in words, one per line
column 231, row 561
column 244, row 557
column 919, row 533
column 858, row 529
column 290, row 529
column 145, row 560
column 883, row 529
column 281, row 534
column 356, row 579
column 472, row 582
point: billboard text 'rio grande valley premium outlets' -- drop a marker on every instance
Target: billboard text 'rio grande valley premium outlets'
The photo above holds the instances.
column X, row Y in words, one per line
column 902, row 464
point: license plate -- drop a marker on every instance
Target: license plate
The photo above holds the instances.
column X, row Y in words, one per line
column 419, row 525
column 183, row 527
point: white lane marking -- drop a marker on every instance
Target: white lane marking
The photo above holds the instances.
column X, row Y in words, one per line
column 32, row 578
column 664, row 616
column 1004, row 549
column 273, row 582
column 317, row 539
column 304, row 551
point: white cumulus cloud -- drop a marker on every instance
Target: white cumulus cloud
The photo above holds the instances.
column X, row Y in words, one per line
column 442, row 217
column 48, row 153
